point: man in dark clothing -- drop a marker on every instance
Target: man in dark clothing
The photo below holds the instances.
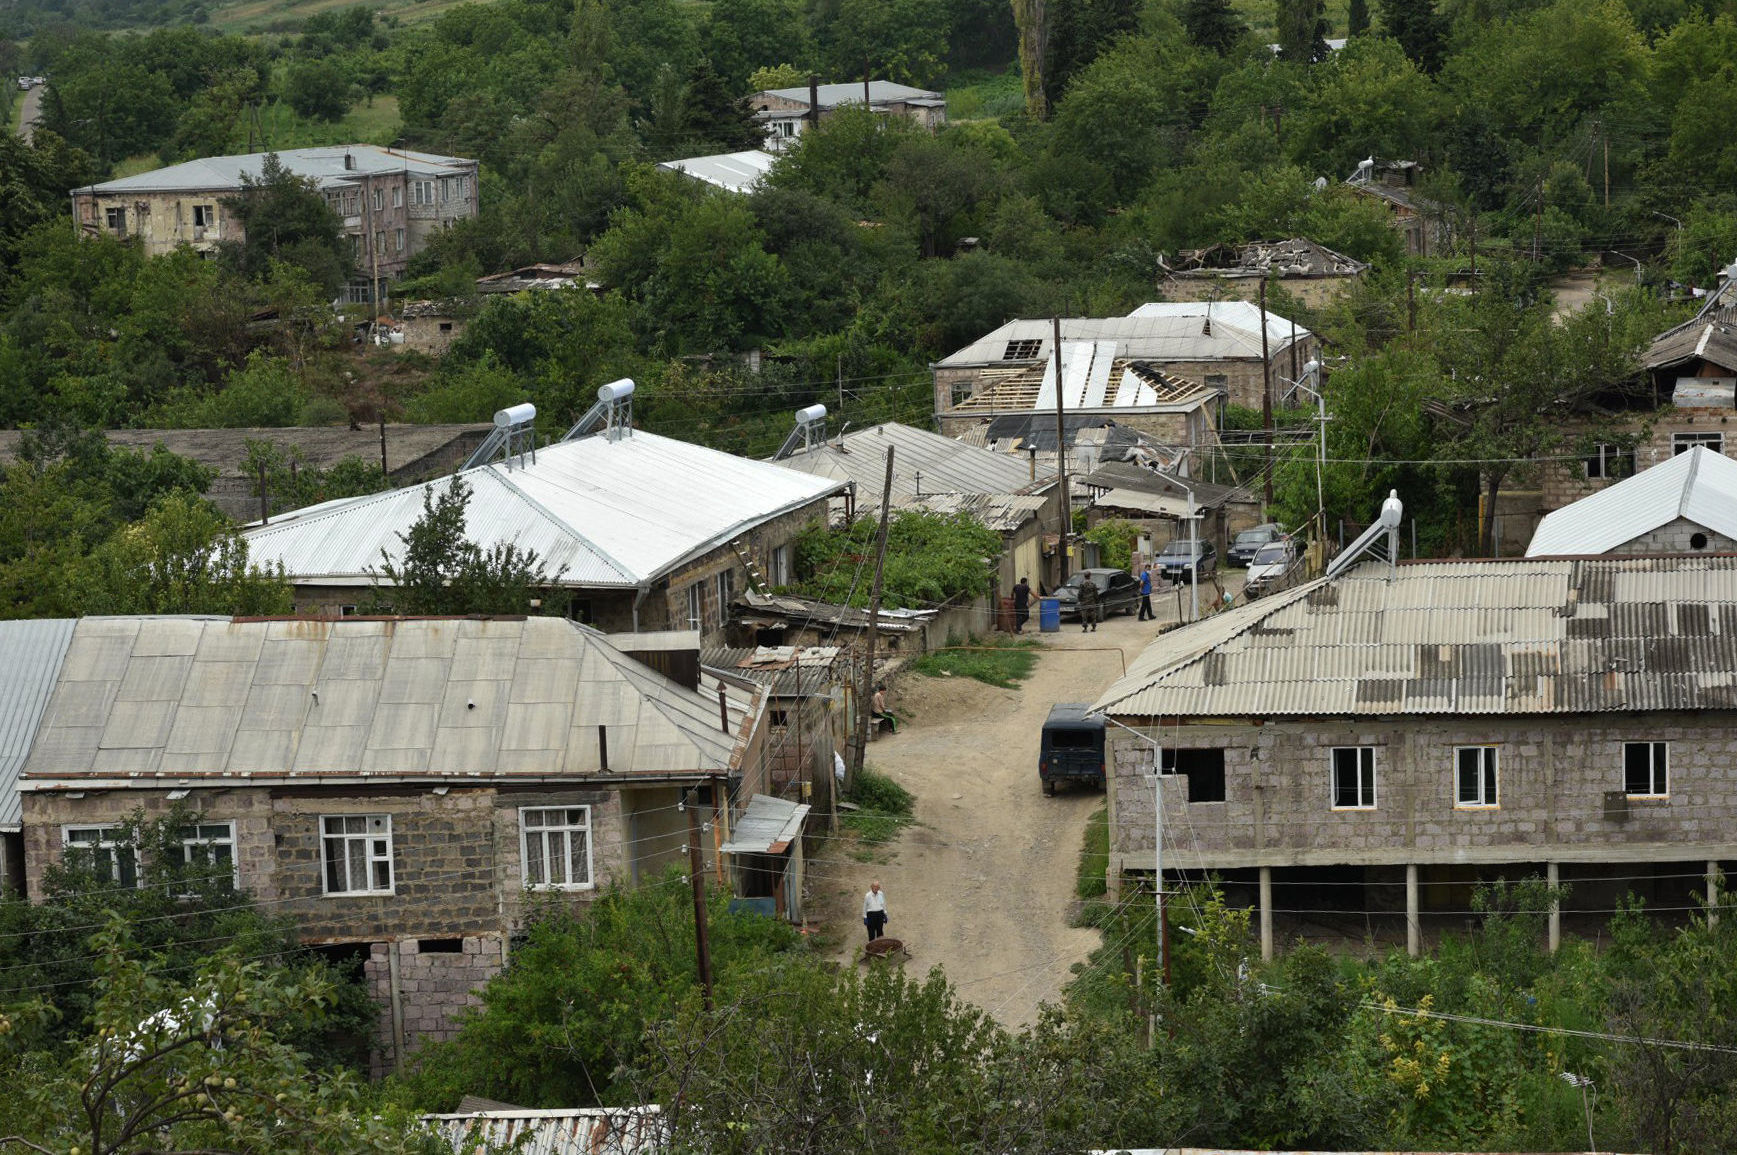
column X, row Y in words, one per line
column 1021, row 605
column 1088, row 605
column 1146, row 613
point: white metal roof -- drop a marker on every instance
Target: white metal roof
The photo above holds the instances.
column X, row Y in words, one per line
column 1698, row 484
column 326, row 166
column 1161, row 332
column 1513, row 636
column 609, row 513
column 922, row 461
column 30, row 657
column 833, row 95
column 562, row 1131
column 735, row 171
column 768, row 826
column 155, row 700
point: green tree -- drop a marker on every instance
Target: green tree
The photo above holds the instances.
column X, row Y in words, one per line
column 440, row 570
column 1079, row 32
column 1357, row 19
column 931, row 558
column 285, row 218
column 715, row 120
column 1214, row 24
column 743, row 37
column 34, row 178
column 898, row 40
column 1418, row 29
column 934, row 186
column 1302, row 30
column 182, row 558
column 317, row 89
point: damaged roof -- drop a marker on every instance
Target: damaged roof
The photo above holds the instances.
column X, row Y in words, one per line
column 1161, row 332
column 1094, row 379
column 1511, row 636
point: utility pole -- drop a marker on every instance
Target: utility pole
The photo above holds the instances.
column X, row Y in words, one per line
column 1538, row 222
column 865, row 688
column 841, row 393
column 1061, row 461
column 264, row 504
column 385, row 474
column 697, row 873
column 1266, row 398
column 1606, row 165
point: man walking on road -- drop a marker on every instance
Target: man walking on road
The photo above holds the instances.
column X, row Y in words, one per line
column 1146, row 613
column 1088, row 604
column 874, row 911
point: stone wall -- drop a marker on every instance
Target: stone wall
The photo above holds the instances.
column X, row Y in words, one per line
column 1314, row 292
column 667, row 607
column 1560, row 794
column 1680, row 536
column 434, row 985
column 1566, row 481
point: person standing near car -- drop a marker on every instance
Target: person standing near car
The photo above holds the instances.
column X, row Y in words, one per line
column 874, row 910
column 1021, row 605
column 1089, row 605
column 1146, row 613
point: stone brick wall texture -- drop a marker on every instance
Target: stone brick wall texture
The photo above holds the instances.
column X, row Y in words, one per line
column 434, row 989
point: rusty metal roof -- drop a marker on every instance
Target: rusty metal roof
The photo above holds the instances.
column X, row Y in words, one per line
column 1520, row 636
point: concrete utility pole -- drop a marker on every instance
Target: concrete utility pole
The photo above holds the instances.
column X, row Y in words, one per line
column 697, row 873
column 865, row 688
column 1061, row 461
column 1266, row 399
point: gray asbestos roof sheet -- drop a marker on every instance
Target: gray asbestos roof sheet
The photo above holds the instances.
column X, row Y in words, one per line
column 1526, row 636
column 203, row 698
column 30, row 657
column 326, row 166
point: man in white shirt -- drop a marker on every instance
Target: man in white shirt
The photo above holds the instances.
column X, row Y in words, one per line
column 874, row 911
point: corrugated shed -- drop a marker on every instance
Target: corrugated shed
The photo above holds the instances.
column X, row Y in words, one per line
column 1698, row 484
column 790, row 671
column 922, row 461
column 768, row 826
column 316, row 699
column 1513, row 637
column 1161, row 332
column 563, row 1131
column 736, row 171
column 607, row 513
column 30, row 656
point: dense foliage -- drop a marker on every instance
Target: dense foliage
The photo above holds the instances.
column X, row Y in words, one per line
column 931, row 559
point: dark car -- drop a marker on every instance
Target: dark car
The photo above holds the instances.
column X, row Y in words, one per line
column 1179, row 557
column 1073, row 747
column 1118, row 592
column 1249, row 542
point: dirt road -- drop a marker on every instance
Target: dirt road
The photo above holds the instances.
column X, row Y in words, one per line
column 983, row 883
column 31, row 111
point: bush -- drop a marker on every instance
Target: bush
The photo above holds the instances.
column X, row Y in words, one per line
column 996, row 661
column 885, row 807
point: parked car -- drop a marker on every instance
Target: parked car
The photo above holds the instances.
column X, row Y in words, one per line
column 1273, row 562
column 1118, row 592
column 1179, row 557
column 1072, row 748
column 1249, row 542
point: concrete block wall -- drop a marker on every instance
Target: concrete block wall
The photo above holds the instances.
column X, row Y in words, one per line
column 1564, row 482
column 667, row 607
column 1554, row 775
column 434, row 988
column 1680, row 536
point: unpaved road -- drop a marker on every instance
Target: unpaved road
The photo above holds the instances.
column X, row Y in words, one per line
column 983, row 883
column 31, row 112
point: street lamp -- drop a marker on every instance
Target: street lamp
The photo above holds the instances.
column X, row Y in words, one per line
column 1193, row 549
column 1583, row 1083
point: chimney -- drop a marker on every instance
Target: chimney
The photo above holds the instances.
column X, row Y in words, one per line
column 349, row 161
column 813, row 100
column 673, row 653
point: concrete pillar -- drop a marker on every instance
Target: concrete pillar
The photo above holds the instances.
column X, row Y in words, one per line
column 1413, row 927
column 1266, row 914
column 397, row 1006
column 1712, row 892
column 1552, row 877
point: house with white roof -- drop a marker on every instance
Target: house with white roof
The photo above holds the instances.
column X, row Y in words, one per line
column 391, row 201
column 640, row 532
column 1150, row 369
column 785, row 111
column 738, row 172
column 1686, row 505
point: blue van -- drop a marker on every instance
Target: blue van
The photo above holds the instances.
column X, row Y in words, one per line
column 1073, row 747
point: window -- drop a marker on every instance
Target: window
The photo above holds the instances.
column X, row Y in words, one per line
column 208, row 851
column 780, row 565
column 1354, row 778
column 103, row 850
column 117, row 220
column 696, row 606
column 1219, row 381
column 726, row 590
column 422, row 192
column 355, row 247
column 1204, row 769
column 446, row 326
column 780, row 718
column 1683, row 442
column 204, row 216
column 445, row 189
column 1021, row 350
column 380, row 240
column 557, row 844
column 1610, row 461
column 357, row 849
column 1646, row 769
column 1475, row 777
column 397, row 196
column 398, row 241
column 379, row 199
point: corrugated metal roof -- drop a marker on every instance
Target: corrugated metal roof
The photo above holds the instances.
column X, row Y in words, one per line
column 1001, row 513
column 1170, row 331
column 610, row 513
column 922, row 461
column 790, row 671
column 1096, row 378
column 563, row 1131
column 1698, row 484
column 833, row 95
column 768, row 826
column 325, row 165
column 736, row 171
column 30, row 657
column 1533, row 636
column 313, row 699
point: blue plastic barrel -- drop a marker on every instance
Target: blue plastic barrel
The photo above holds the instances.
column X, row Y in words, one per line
column 1048, row 615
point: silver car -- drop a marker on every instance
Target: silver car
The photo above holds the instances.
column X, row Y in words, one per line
column 1270, row 563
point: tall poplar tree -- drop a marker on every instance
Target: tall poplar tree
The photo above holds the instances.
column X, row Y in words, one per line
column 1302, row 27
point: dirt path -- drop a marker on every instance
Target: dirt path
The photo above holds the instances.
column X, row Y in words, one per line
column 32, row 111
column 983, row 883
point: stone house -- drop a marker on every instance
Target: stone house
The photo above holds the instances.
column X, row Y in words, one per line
column 432, row 326
column 391, row 201
column 786, row 111
column 397, row 786
column 1310, row 272
column 1377, row 742
column 1686, row 505
column 1394, row 184
column 638, row 532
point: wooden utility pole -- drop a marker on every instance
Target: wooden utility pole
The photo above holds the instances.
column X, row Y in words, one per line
column 1061, row 462
column 865, row 687
column 1266, row 398
column 385, row 474
column 697, row 872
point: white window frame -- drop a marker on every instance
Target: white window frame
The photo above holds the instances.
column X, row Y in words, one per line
column 1485, row 780
column 780, row 565
column 541, row 827
column 1683, row 442
column 422, row 192
column 204, row 216
column 1658, row 770
column 107, row 840
column 726, row 590
column 375, row 833
column 115, row 217
column 206, row 835
column 1366, row 777
column 379, row 200
column 398, row 241
column 1610, row 463
column 696, row 606
column 397, row 196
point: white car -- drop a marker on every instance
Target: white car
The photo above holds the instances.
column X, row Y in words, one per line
column 1270, row 563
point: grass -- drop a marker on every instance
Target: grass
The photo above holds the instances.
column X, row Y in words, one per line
column 998, row 661
column 979, row 95
column 884, row 810
column 1089, row 882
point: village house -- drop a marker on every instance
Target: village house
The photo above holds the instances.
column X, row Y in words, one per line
column 1376, row 742
column 391, row 202
column 539, row 277
column 1157, row 503
column 1312, row 273
column 1393, row 183
column 634, row 531
column 1686, row 505
column 397, row 787
column 1165, row 369
column 431, row 327
column 737, row 172
column 785, row 111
